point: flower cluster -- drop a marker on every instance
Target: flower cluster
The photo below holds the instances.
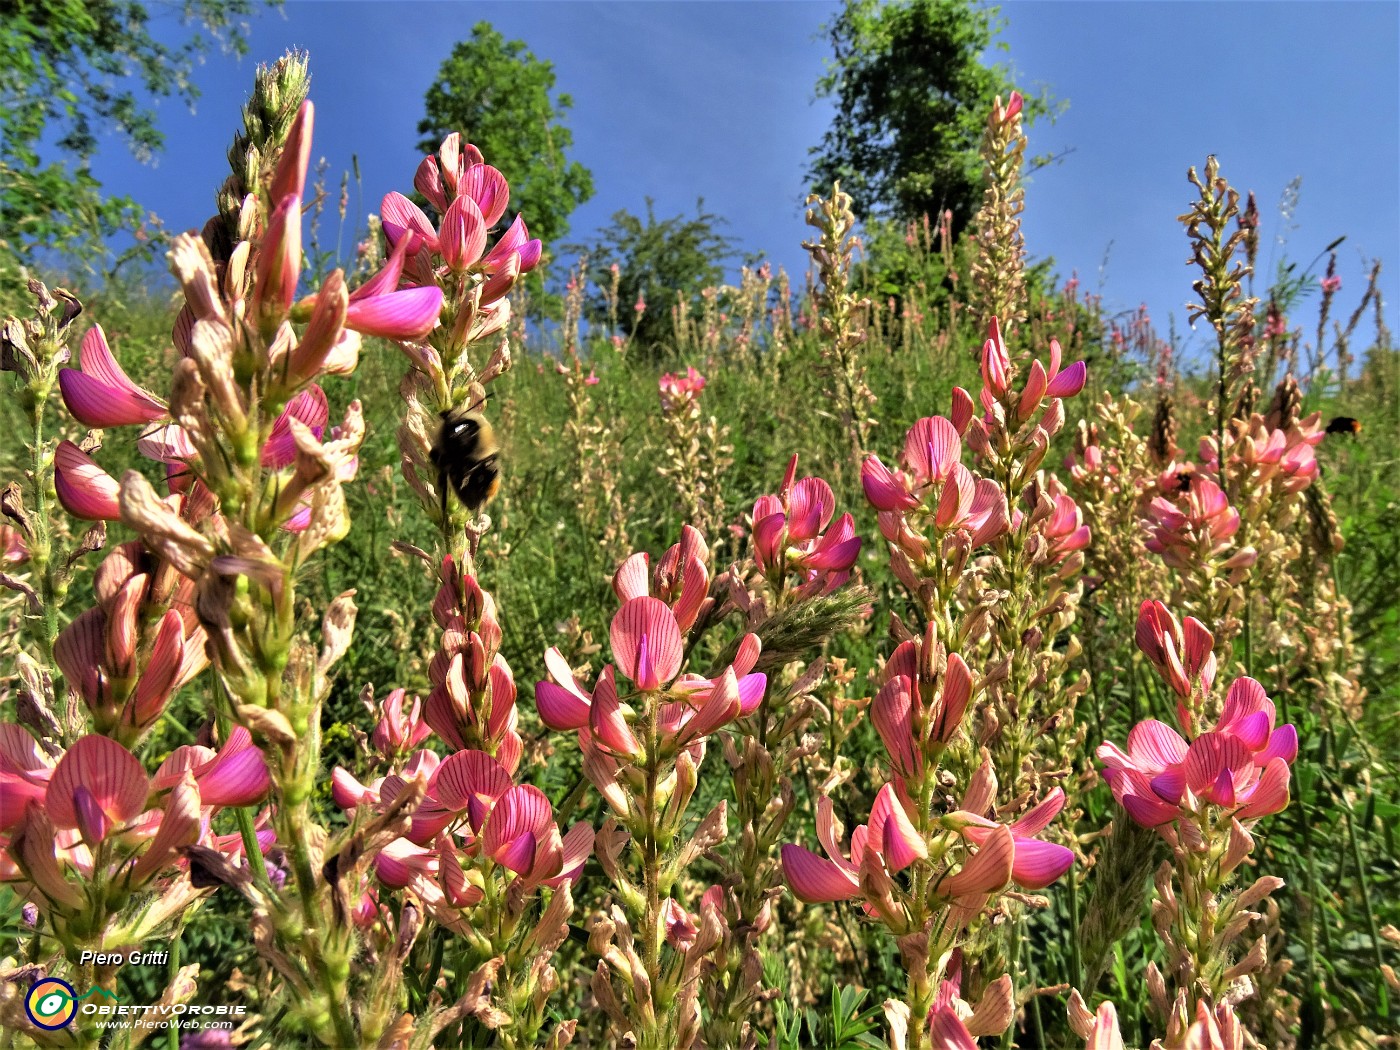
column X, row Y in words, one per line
column 791, row 534
column 681, row 393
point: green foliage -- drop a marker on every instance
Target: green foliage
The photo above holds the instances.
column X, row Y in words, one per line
column 911, row 95
column 501, row 98
column 661, row 262
column 74, row 70
column 849, row 1025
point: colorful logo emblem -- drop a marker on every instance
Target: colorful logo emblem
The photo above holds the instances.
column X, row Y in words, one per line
column 51, row 1004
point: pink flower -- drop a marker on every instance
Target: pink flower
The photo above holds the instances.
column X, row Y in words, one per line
column 1182, row 653
column 1241, row 765
column 1064, row 529
column 788, row 533
column 681, row 393
column 917, row 712
column 396, row 732
column 84, row 489
column 996, row 364
column 99, row 394
column 1330, row 285
column 591, row 379
column 1198, row 524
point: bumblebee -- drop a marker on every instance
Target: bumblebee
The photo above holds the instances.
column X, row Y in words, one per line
column 465, row 455
column 1181, row 482
column 1344, row 425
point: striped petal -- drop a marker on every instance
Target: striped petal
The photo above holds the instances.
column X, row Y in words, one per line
column 646, row 642
column 110, row 773
column 814, row 879
column 85, row 489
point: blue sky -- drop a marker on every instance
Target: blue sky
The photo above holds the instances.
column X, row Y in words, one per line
column 715, row 100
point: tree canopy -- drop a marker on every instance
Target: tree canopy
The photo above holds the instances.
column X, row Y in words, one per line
column 658, row 261
column 501, row 98
column 73, row 70
column 912, row 94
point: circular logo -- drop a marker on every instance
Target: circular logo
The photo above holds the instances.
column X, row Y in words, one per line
column 51, row 1004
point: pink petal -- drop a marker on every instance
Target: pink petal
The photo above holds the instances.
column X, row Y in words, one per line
column 1037, row 864
column 488, row 189
column 471, row 781
column 1155, row 745
column 1069, row 382
column 97, row 404
column 308, row 406
column 1269, row 794
column 162, row 668
column 947, row 1032
column 931, row 447
column 646, row 642
column 1283, row 743
column 237, row 777
column 695, row 588
column 85, row 489
column 462, row 238
column 767, row 535
column 953, row 698
column 606, row 721
column 559, row 708
column 988, row 870
column 891, row 713
column 346, row 791
column 1036, row 383
column 109, row 772
column 810, row 507
column 751, row 689
column 398, row 211
column 408, row 314
column 633, row 578
column 289, row 177
column 522, row 810
column 1038, row 818
column 884, row 489
column 515, row 241
column 575, row 847
column 900, row 843
column 814, row 879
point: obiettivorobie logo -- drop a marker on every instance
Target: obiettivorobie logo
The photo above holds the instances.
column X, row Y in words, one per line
column 52, row 1004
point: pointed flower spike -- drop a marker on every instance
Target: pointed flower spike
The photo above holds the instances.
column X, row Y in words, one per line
column 100, row 394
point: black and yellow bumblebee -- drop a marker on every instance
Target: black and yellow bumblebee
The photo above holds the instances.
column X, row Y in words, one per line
column 466, row 456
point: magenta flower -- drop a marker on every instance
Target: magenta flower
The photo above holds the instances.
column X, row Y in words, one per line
column 1197, row 525
column 1240, row 766
column 914, row 713
column 1184, row 654
column 790, row 533
column 396, row 732
column 681, row 392
column 1331, row 285
column 99, row 394
column 84, row 489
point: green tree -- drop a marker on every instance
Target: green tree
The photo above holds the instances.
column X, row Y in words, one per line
column 658, row 262
column 501, row 98
column 912, row 95
column 73, row 70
